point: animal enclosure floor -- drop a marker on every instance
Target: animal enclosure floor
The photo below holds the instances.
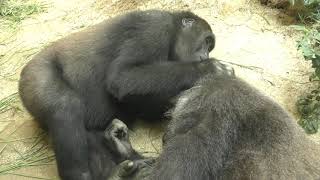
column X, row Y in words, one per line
column 256, row 40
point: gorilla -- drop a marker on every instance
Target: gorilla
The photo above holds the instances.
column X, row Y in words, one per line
column 127, row 67
column 109, row 148
column 223, row 128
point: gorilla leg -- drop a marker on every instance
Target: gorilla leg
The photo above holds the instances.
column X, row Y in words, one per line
column 70, row 143
column 49, row 98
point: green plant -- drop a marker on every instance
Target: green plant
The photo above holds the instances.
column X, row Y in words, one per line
column 309, row 46
column 38, row 154
column 309, row 108
column 304, row 2
column 8, row 102
column 309, row 104
column 14, row 11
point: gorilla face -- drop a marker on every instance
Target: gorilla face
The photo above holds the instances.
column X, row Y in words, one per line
column 194, row 41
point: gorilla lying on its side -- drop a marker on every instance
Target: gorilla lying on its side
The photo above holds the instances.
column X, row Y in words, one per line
column 223, row 128
column 129, row 66
column 109, row 148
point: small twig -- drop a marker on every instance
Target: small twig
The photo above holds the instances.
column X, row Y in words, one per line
column 263, row 18
column 16, row 150
column 6, row 120
column 28, row 176
column 151, row 141
column 3, row 148
column 262, row 71
column 148, row 152
column 15, row 140
column 254, row 68
column 5, row 41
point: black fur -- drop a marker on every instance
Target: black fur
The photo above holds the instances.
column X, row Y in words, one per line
column 225, row 129
column 129, row 66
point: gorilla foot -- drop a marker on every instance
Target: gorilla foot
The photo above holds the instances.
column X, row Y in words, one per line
column 117, row 138
column 117, row 130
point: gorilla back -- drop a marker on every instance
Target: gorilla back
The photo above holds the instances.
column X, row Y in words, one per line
column 225, row 129
column 132, row 63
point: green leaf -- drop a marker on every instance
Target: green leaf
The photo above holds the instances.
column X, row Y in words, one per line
column 307, row 52
column 311, row 2
column 299, row 27
column 292, row 2
column 309, row 107
column 310, row 126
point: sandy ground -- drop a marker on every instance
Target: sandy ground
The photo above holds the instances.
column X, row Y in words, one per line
column 256, row 40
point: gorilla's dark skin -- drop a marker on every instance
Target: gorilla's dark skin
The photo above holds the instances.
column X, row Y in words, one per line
column 133, row 64
column 225, row 129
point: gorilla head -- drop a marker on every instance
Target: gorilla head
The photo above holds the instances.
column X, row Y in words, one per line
column 197, row 34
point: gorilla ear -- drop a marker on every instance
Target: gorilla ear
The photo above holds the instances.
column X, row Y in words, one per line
column 187, row 22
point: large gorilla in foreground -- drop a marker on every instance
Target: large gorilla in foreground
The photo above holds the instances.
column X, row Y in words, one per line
column 129, row 66
column 223, row 128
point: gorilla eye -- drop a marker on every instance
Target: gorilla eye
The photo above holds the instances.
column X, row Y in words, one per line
column 187, row 22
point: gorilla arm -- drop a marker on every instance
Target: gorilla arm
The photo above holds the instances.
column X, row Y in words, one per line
column 166, row 78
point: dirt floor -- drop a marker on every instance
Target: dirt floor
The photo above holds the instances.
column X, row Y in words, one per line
column 256, row 40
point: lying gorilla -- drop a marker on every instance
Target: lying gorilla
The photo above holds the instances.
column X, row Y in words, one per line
column 110, row 148
column 129, row 66
column 223, row 128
